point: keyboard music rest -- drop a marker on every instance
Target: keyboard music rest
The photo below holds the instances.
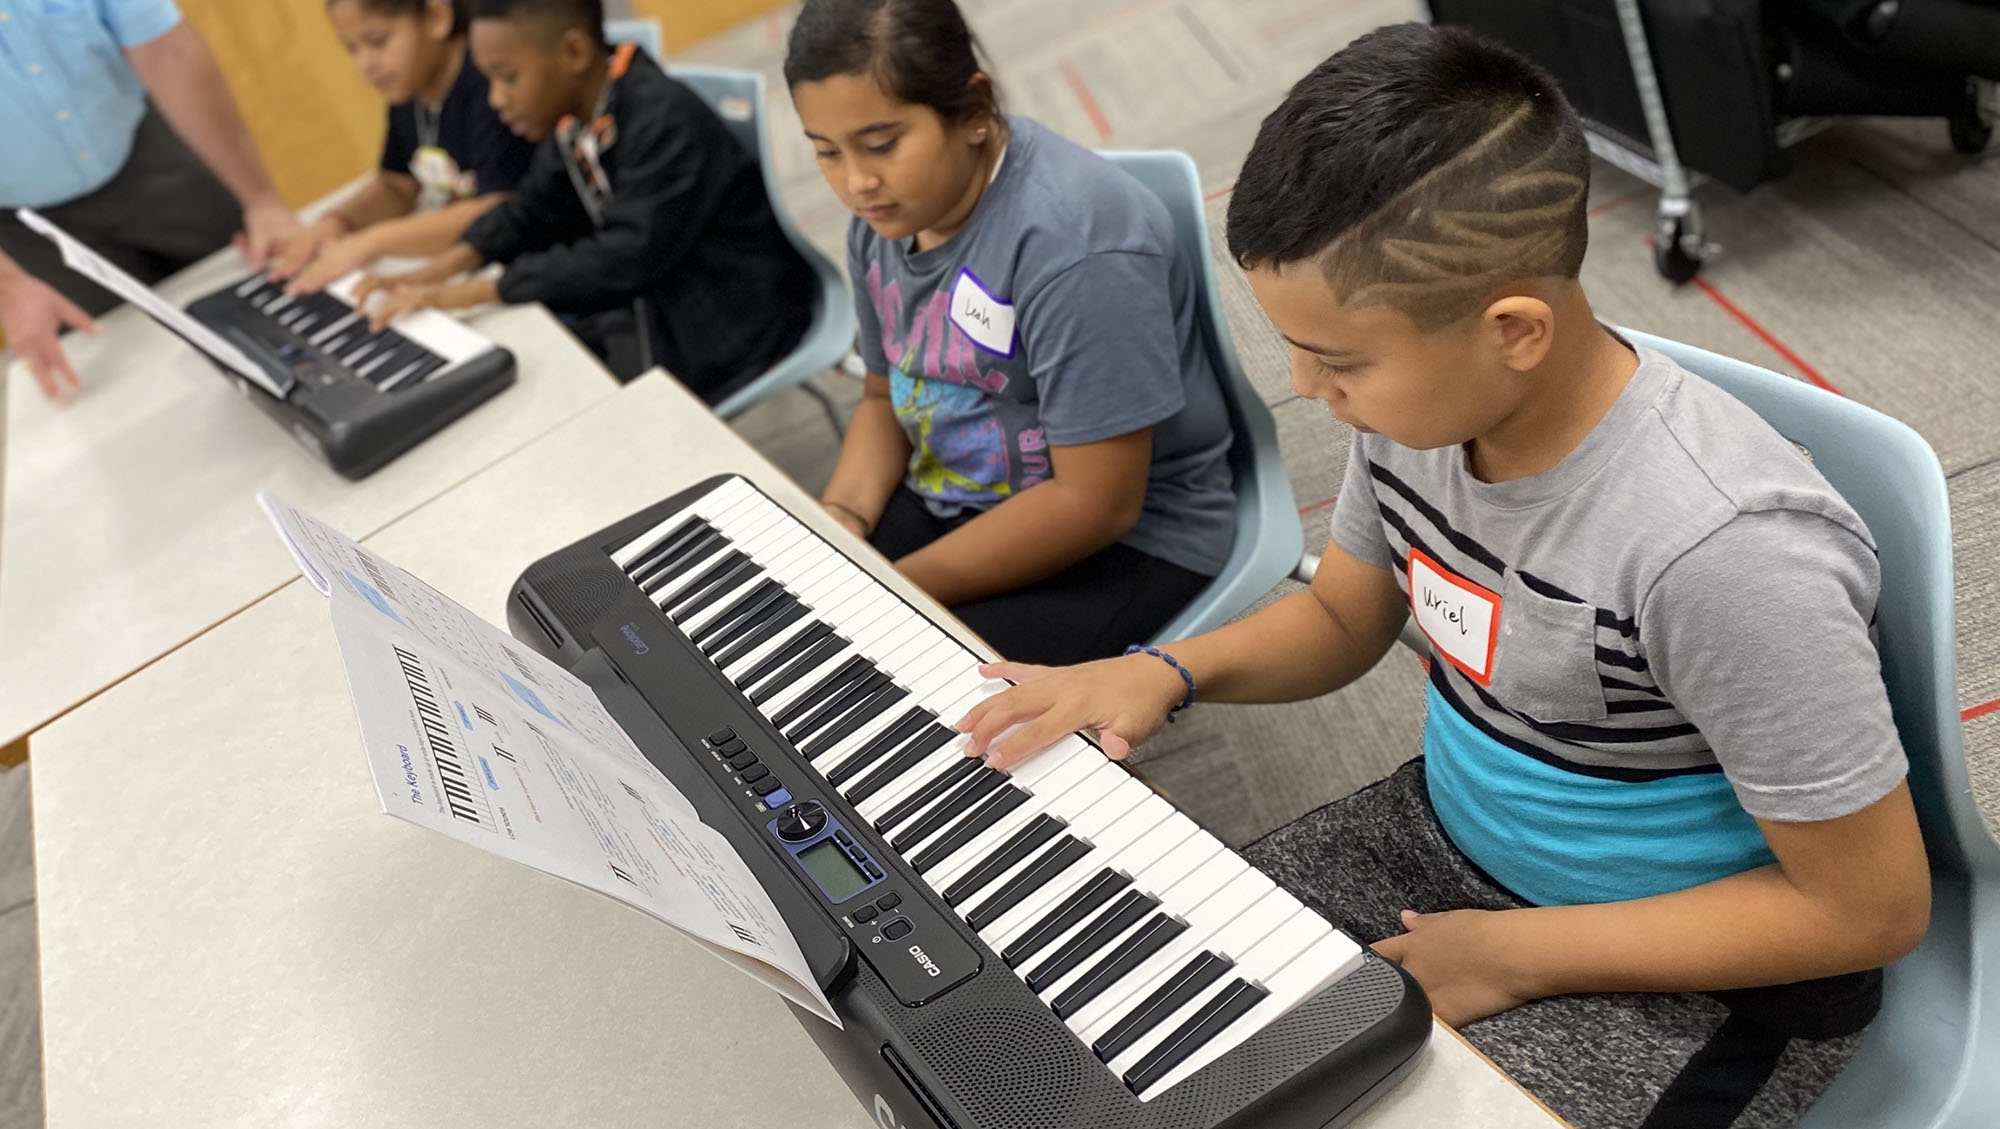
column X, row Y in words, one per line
column 355, row 397
column 1084, row 901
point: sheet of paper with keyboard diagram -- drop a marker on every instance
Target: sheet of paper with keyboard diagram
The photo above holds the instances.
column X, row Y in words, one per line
column 469, row 736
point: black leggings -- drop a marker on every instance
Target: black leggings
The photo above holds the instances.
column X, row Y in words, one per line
column 1090, row 610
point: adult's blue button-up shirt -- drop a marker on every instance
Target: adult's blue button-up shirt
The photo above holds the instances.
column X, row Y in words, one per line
column 69, row 102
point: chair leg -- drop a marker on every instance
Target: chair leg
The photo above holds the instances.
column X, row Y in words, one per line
column 826, row 405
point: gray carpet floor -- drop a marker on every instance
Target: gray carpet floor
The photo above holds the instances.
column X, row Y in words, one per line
column 1874, row 266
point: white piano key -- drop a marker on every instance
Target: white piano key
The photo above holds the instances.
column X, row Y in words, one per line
column 1141, row 818
column 1261, row 960
column 1328, row 960
column 1040, row 798
column 1206, row 916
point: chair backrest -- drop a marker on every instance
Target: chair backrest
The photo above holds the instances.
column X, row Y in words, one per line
column 737, row 97
column 1933, row 1056
column 646, row 33
column 1268, row 541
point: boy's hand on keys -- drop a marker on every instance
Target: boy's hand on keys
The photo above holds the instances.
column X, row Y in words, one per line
column 1464, row 961
column 302, row 247
column 1125, row 699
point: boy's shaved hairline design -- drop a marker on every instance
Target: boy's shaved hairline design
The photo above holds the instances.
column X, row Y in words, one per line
column 1479, row 220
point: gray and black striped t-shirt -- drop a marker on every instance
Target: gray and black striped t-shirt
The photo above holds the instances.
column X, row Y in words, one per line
column 1676, row 612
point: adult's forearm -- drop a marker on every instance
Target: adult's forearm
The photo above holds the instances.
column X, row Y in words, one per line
column 186, row 84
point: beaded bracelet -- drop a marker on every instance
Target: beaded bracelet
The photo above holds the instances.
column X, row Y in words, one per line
column 1141, row 648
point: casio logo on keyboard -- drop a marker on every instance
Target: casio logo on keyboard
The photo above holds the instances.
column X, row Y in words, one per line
column 631, row 633
column 884, row 1116
column 924, row 959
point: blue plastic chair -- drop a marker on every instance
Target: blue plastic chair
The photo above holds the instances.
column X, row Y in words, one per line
column 738, row 98
column 1268, row 542
column 646, row 33
column 1932, row 1058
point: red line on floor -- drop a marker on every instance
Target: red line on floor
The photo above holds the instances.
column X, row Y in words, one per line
column 1980, row 710
column 1764, row 335
column 1219, row 193
column 1323, row 502
column 1089, row 100
column 1619, row 201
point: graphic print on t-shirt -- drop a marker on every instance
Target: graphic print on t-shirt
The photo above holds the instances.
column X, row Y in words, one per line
column 961, row 454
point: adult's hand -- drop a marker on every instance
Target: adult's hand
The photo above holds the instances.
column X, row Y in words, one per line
column 267, row 227
column 33, row 313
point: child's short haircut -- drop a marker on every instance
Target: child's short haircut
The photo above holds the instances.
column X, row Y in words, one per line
column 1423, row 167
column 414, row 9
column 920, row 51
column 586, row 16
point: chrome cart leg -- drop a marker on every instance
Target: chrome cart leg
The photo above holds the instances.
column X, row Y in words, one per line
column 1678, row 244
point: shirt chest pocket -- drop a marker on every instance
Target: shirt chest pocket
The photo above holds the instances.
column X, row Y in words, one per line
column 1545, row 662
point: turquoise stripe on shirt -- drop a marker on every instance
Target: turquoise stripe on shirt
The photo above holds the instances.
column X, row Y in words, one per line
column 1557, row 837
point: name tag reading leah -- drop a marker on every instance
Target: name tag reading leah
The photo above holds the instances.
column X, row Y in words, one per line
column 984, row 318
column 1460, row 618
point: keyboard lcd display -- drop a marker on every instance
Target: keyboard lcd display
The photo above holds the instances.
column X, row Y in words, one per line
column 833, row 870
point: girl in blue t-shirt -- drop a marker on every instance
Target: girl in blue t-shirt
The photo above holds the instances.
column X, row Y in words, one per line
column 1042, row 443
column 446, row 159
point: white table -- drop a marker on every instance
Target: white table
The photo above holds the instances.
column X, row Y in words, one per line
column 233, row 935
column 129, row 520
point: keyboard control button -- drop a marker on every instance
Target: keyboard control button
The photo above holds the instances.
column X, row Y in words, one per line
column 743, row 760
column 865, row 913
column 754, row 773
column 897, row 929
column 889, row 901
column 722, row 736
column 766, row 786
column 731, row 747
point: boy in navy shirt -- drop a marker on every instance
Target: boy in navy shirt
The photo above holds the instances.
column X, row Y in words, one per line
column 641, row 221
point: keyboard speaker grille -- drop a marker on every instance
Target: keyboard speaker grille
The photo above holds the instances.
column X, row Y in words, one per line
column 578, row 586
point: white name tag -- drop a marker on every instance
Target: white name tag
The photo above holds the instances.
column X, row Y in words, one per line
column 1460, row 618
column 984, row 318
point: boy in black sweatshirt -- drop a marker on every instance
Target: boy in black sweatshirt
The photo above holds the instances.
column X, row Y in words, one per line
column 641, row 222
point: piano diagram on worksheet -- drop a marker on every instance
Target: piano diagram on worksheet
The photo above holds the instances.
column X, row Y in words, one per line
column 469, row 736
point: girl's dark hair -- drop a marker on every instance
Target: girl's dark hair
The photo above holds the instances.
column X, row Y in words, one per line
column 415, row 10
column 920, row 51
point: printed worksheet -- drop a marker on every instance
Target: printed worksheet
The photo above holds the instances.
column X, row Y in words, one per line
column 469, row 734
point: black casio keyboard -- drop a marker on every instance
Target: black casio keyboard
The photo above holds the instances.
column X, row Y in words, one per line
column 356, row 397
column 1052, row 945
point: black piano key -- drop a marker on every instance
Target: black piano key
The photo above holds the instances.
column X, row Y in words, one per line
column 843, row 675
column 768, row 607
column 399, row 357
column 1071, row 911
column 703, row 545
column 742, row 607
column 1094, row 940
column 955, row 805
column 807, row 636
column 906, row 729
column 927, row 741
column 1134, row 951
column 1230, row 1005
column 1010, row 854
column 779, row 618
column 803, row 664
column 1032, row 877
column 425, row 368
column 728, row 572
column 664, row 546
column 881, row 700
column 1193, row 978
column 989, row 812
column 943, row 781
column 832, row 709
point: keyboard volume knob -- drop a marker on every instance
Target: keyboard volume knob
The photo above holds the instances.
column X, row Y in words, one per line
column 801, row 822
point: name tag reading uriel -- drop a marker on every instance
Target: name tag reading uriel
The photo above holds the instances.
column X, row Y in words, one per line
column 984, row 318
column 1460, row 618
